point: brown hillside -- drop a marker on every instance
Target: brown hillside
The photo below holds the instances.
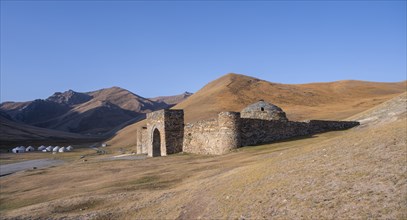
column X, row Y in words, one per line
column 94, row 112
column 233, row 92
column 391, row 110
column 124, row 99
column 12, row 133
column 334, row 100
column 359, row 173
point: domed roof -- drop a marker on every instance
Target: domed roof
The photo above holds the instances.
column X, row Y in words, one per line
column 264, row 111
column 262, row 106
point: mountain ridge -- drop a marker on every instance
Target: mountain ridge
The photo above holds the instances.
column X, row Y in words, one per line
column 95, row 112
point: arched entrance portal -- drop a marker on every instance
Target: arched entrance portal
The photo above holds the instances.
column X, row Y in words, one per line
column 156, row 143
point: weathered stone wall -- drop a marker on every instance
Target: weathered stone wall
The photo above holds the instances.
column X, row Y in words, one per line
column 265, row 115
column 201, row 137
column 318, row 126
column 218, row 136
column 256, row 131
column 142, row 140
column 263, row 110
column 155, row 120
column 174, row 130
column 229, row 131
column 170, row 125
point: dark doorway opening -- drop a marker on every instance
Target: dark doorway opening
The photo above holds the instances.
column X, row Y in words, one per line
column 156, row 143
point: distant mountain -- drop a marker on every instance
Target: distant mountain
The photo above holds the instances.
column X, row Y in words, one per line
column 88, row 113
column 172, row 100
column 69, row 97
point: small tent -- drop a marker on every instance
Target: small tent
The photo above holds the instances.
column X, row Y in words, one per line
column 69, row 148
column 41, row 148
column 49, row 148
column 55, row 149
column 29, row 149
column 61, row 150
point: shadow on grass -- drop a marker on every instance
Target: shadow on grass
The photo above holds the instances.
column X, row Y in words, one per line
column 282, row 141
column 149, row 182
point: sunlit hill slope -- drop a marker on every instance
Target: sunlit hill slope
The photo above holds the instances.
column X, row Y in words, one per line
column 233, row 92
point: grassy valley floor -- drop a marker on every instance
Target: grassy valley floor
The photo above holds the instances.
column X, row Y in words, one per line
column 358, row 173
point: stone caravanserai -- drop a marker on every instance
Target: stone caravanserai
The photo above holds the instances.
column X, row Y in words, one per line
column 258, row 123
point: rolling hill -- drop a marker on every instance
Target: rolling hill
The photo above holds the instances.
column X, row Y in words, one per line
column 332, row 100
column 354, row 174
column 232, row 92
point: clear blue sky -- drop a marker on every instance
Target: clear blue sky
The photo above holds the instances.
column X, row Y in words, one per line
column 165, row 48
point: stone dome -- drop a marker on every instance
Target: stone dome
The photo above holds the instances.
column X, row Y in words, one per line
column 265, row 111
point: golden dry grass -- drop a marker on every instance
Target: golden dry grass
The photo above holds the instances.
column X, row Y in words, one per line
column 359, row 173
column 232, row 92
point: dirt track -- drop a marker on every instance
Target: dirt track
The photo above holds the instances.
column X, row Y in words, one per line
column 7, row 169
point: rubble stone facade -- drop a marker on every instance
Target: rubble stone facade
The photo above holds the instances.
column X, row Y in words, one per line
column 165, row 132
column 259, row 123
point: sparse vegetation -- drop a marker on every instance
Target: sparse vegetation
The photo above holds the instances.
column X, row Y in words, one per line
column 358, row 173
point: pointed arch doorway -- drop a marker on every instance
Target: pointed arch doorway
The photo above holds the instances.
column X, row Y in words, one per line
column 156, row 143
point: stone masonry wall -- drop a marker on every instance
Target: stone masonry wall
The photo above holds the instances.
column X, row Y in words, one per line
column 216, row 136
column 227, row 132
column 256, row 131
column 170, row 124
column 142, row 140
column 318, row 126
column 265, row 115
column 174, row 130
column 155, row 120
column 201, row 137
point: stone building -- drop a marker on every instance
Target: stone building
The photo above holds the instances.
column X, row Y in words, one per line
column 258, row 123
column 263, row 110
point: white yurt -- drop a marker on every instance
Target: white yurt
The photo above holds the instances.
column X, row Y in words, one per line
column 55, row 149
column 41, row 148
column 49, row 148
column 61, row 150
column 69, row 148
column 17, row 150
column 30, row 149
column 45, row 150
